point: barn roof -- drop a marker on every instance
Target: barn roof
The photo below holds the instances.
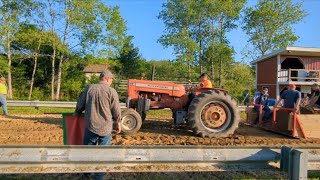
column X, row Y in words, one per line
column 291, row 51
column 95, row 68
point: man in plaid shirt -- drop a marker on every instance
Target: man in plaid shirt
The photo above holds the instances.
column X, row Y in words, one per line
column 102, row 108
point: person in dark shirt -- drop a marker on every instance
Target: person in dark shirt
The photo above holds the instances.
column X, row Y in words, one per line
column 245, row 96
column 291, row 98
column 262, row 99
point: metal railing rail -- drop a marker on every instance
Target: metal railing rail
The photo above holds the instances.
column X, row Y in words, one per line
column 60, row 104
column 37, row 104
column 75, row 159
column 285, row 75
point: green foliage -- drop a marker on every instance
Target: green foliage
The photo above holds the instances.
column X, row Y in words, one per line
column 133, row 65
column 239, row 78
column 90, row 32
column 3, row 66
column 269, row 24
column 97, row 27
column 197, row 27
column 39, row 94
column 173, row 71
column 191, row 25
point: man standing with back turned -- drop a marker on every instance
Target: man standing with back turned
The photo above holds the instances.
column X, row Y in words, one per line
column 291, row 98
column 102, row 108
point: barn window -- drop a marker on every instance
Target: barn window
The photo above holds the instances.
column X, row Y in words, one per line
column 293, row 63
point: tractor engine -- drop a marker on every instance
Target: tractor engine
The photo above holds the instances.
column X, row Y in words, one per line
column 156, row 94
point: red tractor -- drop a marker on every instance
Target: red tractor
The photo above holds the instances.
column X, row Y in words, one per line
column 208, row 112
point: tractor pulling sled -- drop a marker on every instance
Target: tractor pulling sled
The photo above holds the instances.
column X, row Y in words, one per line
column 209, row 112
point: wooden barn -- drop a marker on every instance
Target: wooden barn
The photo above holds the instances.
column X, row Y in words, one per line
column 297, row 65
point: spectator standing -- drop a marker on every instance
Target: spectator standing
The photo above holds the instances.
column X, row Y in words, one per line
column 246, row 98
column 102, row 108
column 291, row 98
column 3, row 96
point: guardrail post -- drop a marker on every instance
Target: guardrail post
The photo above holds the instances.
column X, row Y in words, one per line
column 284, row 161
column 298, row 165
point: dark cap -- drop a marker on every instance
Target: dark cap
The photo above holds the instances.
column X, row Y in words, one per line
column 106, row 73
column 203, row 75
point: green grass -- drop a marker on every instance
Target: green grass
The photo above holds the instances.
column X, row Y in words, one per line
column 42, row 110
column 162, row 113
column 32, row 110
column 314, row 175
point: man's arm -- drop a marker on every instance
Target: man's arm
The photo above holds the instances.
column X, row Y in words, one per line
column 298, row 101
column 115, row 109
column 255, row 97
column 81, row 104
column 278, row 102
column 282, row 97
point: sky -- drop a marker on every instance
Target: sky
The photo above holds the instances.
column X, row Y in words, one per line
column 143, row 24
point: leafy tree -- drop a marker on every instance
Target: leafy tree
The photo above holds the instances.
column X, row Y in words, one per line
column 86, row 25
column 3, row 66
column 30, row 42
column 193, row 26
column 238, row 78
column 269, row 24
column 12, row 13
column 166, row 70
column 218, row 56
column 130, row 59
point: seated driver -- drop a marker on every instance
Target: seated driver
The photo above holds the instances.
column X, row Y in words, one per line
column 205, row 82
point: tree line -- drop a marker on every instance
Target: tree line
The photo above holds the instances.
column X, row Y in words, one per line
column 45, row 44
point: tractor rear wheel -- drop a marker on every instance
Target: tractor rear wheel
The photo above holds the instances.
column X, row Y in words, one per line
column 130, row 121
column 213, row 114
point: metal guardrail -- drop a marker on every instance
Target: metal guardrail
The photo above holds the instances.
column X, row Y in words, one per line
column 38, row 104
column 62, row 104
column 71, row 159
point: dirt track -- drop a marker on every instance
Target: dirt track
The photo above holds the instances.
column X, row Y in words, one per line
column 47, row 130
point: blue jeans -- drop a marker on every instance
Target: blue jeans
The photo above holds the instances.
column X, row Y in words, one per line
column 3, row 102
column 267, row 112
column 91, row 138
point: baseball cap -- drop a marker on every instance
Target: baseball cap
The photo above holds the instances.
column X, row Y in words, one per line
column 3, row 79
column 106, row 73
column 203, row 74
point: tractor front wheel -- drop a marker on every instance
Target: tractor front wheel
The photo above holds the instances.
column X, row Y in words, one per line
column 130, row 121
